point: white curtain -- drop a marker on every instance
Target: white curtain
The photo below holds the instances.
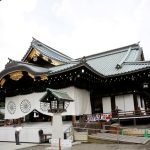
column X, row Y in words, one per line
column 125, row 102
column 139, row 101
column 81, row 104
column 106, row 104
column 22, row 105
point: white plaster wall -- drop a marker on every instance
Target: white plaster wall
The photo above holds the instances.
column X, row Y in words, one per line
column 106, row 101
column 27, row 134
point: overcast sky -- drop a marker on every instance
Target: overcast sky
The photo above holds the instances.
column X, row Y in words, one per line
column 75, row 27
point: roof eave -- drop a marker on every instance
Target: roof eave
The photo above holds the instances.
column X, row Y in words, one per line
column 129, row 72
column 21, row 67
column 77, row 66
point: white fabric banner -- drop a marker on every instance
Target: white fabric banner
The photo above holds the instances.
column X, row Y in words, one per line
column 81, row 104
column 22, row 105
column 125, row 102
column 106, row 101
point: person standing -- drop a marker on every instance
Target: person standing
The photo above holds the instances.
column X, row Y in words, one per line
column 17, row 132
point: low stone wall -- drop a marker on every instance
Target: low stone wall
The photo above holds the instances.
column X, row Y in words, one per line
column 27, row 134
column 135, row 131
column 80, row 136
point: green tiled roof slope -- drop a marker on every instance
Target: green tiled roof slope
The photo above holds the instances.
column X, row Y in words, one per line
column 106, row 63
column 60, row 95
column 119, row 61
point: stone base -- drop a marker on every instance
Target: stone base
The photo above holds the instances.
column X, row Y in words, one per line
column 57, row 148
column 64, row 143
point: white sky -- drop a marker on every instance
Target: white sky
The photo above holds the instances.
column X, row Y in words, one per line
column 75, row 27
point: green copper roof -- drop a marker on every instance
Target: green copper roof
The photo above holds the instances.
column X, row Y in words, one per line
column 60, row 95
column 114, row 62
column 48, row 51
column 106, row 64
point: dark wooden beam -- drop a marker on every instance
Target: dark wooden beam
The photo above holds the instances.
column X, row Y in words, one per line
column 135, row 101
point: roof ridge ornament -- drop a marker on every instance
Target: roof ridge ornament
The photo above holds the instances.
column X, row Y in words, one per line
column 10, row 63
column 83, row 59
column 120, row 64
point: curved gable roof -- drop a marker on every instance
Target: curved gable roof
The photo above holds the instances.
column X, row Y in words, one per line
column 103, row 64
column 47, row 51
column 22, row 66
column 113, row 62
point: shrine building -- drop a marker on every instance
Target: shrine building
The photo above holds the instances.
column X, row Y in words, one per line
column 96, row 83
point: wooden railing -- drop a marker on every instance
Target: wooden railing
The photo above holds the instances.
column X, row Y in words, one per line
column 111, row 135
column 136, row 113
column 99, row 117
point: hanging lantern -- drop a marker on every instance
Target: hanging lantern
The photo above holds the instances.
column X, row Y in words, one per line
column 145, row 85
column 82, row 70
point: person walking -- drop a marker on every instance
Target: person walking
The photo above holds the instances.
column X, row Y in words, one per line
column 17, row 132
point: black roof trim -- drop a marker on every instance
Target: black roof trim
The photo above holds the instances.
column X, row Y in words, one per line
column 137, row 63
column 22, row 66
column 130, row 72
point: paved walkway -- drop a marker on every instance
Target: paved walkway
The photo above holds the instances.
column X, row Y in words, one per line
column 28, row 146
column 111, row 147
column 13, row 146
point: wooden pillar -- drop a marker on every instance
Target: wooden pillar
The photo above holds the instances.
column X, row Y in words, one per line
column 101, row 104
column 113, row 106
column 134, row 121
column 92, row 102
column 135, row 101
column 145, row 104
column 73, row 120
column 5, row 122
